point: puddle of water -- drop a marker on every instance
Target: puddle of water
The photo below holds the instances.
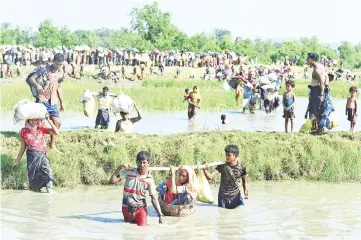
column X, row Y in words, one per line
column 275, row 210
column 163, row 123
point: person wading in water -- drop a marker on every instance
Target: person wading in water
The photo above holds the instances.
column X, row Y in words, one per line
column 138, row 181
column 33, row 142
column 125, row 124
column 104, row 100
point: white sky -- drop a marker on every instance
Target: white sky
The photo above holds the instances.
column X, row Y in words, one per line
column 331, row 21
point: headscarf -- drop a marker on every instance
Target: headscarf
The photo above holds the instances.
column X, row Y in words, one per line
column 192, row 181
column 35, row 128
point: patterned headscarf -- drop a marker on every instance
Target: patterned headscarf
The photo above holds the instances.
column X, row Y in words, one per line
column 192, row 184
column 35, row 128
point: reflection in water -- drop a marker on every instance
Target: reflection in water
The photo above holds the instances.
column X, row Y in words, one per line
column 275, row 210
column 162, row 123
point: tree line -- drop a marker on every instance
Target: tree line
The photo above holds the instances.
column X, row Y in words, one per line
column 152, row 28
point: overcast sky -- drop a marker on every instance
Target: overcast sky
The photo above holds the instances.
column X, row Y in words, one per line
column 331, row 21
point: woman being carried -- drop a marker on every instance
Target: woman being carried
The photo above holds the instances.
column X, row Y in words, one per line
column 33, row 141
column 180, row 191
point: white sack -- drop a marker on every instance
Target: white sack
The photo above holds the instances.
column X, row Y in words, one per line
column 28, row 110
column 122, row 103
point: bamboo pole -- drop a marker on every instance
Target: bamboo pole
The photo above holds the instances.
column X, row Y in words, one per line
column 194, row 166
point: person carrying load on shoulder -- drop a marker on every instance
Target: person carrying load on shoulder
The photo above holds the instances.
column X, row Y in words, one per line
column 47, row 90
column 180, row 191
column 232, row 172
column 137, row 182
column 104, row 100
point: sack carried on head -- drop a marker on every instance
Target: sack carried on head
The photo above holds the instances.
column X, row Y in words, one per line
column 122, row 103
column 28, row 110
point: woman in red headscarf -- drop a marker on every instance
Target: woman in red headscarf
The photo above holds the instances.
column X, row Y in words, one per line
column 180, row 191
column 33, row 141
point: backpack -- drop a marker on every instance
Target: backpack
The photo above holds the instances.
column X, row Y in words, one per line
column 40, row 80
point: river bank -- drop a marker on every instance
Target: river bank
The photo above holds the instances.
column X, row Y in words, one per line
column 89, row 157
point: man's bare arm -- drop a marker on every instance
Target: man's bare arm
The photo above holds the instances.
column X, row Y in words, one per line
column 32, row 80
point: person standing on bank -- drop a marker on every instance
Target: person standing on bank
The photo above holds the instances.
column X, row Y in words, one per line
column 51, row 94
column 317, row 88
column 32, row 140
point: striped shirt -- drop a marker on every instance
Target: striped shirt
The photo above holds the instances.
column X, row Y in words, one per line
column 229, row 188
column 136, row 185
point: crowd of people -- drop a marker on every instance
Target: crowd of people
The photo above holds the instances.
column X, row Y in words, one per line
column 139, row 180
column 11, row 55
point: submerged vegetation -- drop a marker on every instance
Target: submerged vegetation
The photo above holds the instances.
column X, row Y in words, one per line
column 89, row 157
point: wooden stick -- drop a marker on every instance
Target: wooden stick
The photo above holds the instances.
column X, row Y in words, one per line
column 194, row 166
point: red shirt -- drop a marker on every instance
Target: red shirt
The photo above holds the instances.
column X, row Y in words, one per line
column 34, row 140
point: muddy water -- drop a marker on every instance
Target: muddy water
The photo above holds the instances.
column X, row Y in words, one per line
column 274, row 211
column 177, row 122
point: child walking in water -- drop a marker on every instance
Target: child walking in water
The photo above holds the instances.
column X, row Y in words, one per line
column 224, row 120
column 193, row 103
column 232, row 172
column 351, row 108
column 288, row 104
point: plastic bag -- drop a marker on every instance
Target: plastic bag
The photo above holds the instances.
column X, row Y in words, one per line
column 271, row 76
column 306, row 127
column 264, row 81
column 122, row 103
column 86, row 96
column 226, row 86
column 28, row 110
column 89, row 107
column 204, row 189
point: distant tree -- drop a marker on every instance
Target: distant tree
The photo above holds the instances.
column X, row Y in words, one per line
column 153, row 25
column 88, row 38
column 67, row 38
column 48, row 35
column 348, row 53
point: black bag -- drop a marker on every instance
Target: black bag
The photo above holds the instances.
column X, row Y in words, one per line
column 40, row 80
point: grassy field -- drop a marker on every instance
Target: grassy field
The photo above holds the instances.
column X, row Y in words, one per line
column 158, row 94
column 89, row 157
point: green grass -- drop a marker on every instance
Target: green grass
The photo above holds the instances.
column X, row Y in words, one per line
column 147, row 98
column 154, row 95
column 89, row 157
